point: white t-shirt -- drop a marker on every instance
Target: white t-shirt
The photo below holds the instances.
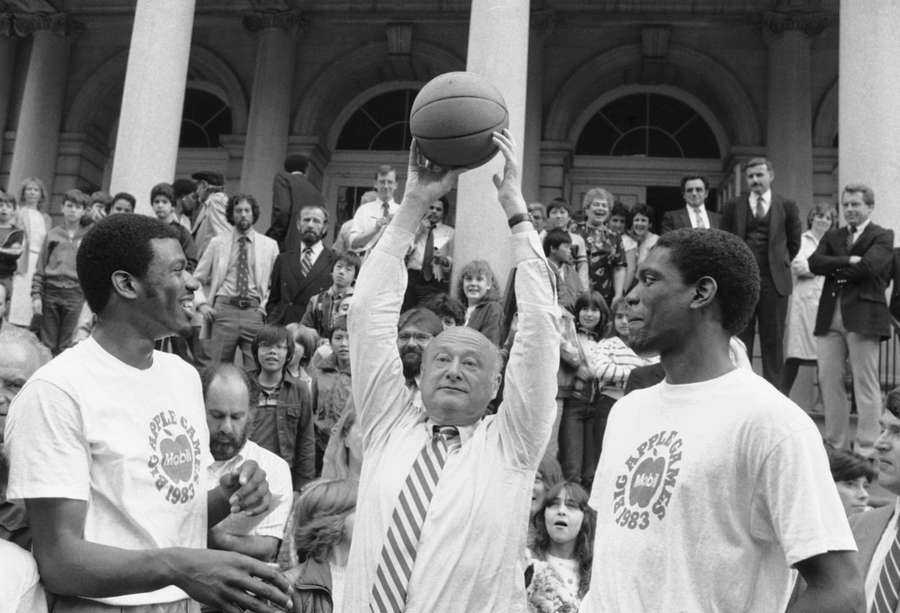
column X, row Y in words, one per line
column 706, row 494
column 278, row 474
column 132, row 443
column 20, row 588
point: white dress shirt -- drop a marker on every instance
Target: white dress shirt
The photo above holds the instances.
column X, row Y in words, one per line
column 695, row 211
column 767, row 202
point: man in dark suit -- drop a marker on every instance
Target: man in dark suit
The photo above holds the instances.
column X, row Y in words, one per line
column 299, row 274
column 291, row 191
column 853, row 316
column 876, row 531
column 694, row 190
column 770, row 225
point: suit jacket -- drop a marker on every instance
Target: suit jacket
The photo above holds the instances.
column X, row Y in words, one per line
column 672, row 220
column 867, row 529
column 784, row 234
column 290, row 193
column 291, row 291
column 861, row 286
column 213, row 265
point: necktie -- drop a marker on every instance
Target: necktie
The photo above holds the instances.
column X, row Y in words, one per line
column 428, row 257
column 701, row 223
column 886, row 596
column 306, row 262
column 243, row 268
column 385, row 209
column 760, row 207
column 851, row 234
column 399, row 552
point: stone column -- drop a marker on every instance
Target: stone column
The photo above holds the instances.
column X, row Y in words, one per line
column 868, row 122
column 153, row 98
column 40, row 114
column 789, row 127
column 542, row 22
column 268, row 126
column 498, row 50
column 8, row 40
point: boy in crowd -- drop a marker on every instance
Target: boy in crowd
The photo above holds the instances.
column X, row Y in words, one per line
column 331, row 386
column 123, row 202
column 11, row 239
column 558, row 249
column 162, row 199
column 323, row 307
column 55, row 293
column 558, row 217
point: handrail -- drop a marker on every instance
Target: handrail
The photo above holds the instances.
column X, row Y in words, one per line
column 888, row 354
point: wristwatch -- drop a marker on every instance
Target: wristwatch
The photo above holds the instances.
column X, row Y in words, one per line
column 519, row 218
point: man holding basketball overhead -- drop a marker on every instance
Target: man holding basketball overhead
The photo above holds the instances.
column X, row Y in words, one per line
column 445, row 491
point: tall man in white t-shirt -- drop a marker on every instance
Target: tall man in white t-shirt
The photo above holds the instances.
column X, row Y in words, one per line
column 109, row 448
column 445, row 491
column 712, row 485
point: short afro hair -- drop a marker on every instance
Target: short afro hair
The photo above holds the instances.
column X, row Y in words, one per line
column 117, row 242
column 165, row 190
column 236, row 200
column 723, row 257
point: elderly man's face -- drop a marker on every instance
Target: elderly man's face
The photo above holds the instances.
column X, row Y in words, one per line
column 411, row 342
column 459, row 376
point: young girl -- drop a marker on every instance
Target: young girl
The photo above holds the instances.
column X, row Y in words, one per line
column 478, row 290
column 611, row 360
column 582, row 405
column 562, row 551
column 320, row 528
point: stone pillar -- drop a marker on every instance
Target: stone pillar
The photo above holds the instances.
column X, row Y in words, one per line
column 8, row 40
column 789, row 127
column 153, row 98
column 868, row 122
column 498, row 50
column 542, row 22
column 40, row 114
column 268, row 126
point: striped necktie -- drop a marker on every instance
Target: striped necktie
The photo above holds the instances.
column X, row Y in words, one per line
column 398, row 555
column 886, row 596
column 243, row 268
column 306, row 262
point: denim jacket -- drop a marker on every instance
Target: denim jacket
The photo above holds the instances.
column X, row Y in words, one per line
column 294, row 428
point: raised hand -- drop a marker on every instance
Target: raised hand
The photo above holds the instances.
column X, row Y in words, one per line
column 426, row 181
column 509, row 191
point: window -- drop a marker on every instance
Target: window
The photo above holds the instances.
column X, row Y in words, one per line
column 648, row 125
column 381, row 124
column 205, row 118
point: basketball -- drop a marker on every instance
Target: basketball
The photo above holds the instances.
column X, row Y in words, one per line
column 453, row 118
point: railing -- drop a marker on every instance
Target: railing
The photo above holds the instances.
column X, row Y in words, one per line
column 888, row 355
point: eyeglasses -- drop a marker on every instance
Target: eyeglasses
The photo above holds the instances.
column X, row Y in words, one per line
column 419, row 336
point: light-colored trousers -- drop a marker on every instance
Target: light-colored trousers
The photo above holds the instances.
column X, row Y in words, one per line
column 77, row 605
column 833, row 350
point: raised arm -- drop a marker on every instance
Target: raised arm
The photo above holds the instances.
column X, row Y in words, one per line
column 378, row 382
column 526, row 416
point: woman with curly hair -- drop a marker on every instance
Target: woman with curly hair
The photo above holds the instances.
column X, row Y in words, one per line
column 321, row 526
column 562, row 551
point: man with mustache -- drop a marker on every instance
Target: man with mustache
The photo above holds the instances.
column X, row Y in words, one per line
column 416, row 328
column 226, row 394
column 301, row 273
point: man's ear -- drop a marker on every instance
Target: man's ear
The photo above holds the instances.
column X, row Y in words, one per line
column 705, row 291
column 124, row 284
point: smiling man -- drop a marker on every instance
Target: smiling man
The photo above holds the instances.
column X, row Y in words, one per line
column 109, row 448
column 444, row 491
column 694, row 190
column 712, row 485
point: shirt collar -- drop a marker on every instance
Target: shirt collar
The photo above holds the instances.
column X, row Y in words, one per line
column 766, row 196
column 696, row 209
column 235, row 235
column 861, row 228
column 465, row 432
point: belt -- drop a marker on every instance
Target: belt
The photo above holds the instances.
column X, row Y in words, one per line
column 241, row 303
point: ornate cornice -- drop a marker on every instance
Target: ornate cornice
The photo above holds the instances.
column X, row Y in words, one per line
column 263, row 20
column 810, row 23
column 25, row 24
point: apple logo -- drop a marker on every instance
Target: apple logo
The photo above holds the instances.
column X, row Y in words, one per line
column 177, row 458
column 645, row 480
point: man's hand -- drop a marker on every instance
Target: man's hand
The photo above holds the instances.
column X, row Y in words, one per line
column 509, row 191
column 230, row 582
column 426, row 181
column 855, row 259
column 209, row 313
column 247, row 489
column 37, row 306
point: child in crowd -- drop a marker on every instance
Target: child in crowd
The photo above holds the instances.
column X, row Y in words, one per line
column 12, row 239
column 305, row 343
column 322, row 308
column 55, row 292
column 852, row 474
column 321, row 529
column 100, row 202
column 618, row 223
column 450, row 310
column 612, row 360
column 162, row 199
column 478, row 290
column 562, row 551
column 331, row 386
column 123, row 202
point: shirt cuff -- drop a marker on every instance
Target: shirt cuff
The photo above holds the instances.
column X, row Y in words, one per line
column 526, row 246
column 395, row 241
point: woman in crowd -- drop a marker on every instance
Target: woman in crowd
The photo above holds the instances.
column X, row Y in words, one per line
column 305, row 342
column 562, row 551
column 36, row 223
column 479, row 291
column 852, row 474
column 582, row 404
column 800, row 344
column 639, row 230
column 321, row 528
column 605, row 255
